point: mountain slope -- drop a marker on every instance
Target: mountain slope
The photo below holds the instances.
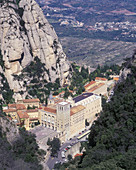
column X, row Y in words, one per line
column 18, row 148
column 26, row 34
column 112, row 141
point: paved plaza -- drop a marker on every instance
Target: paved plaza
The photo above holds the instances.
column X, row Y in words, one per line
column 42, row 134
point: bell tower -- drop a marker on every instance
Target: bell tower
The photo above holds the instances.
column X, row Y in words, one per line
column 63, row 118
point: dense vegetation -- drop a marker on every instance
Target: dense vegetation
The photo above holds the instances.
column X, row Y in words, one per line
column 35, row 88
column 54, row 146
column 5, row 90
column 81, row 77
column 1, row 60
column 105, row 71
column 24, row 153
column 112, row 141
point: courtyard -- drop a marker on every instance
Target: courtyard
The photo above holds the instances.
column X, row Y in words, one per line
column 42, row 134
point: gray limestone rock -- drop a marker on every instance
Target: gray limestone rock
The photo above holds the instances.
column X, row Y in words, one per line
column 24, row 34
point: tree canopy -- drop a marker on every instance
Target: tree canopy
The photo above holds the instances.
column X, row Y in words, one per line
column 112, row 140
column 54, row 145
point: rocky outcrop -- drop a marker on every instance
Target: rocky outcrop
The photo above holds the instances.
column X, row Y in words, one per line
column 25, row 34
column 9, row 129
column 128, row 66
column 124, row 73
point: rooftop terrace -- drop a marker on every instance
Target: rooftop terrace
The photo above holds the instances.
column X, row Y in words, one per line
column 82, row 97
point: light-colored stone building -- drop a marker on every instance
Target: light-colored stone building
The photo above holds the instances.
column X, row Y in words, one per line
column 89, row 85
column 68, row 117
column 13, row 109
column 48, row 117
column 92, row 104
column 12, row 113
column 34, row 117
column 23, row 117
column 101, row 79
column 30, row 102
column 77, row 120
column 99, row 86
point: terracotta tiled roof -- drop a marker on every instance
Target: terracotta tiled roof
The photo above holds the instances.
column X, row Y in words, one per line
column 101, row 78
column 20, row 107
column 17, row 106
column 116, row 78
column 89, row 84
column 58, row 100
column 76, row 109
column 96, row 87
column 62, row 92
column 36, row 118
column 55, row 95
column 78, row 154
column 31, row 100
column 9, row 110
column 22, row 114
column 12, row 105
column 50, row 110
column 32, row 110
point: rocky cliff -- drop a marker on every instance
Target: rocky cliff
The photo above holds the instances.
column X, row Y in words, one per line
column 9, row 129
column 18, row 148
column 25, row 34
column 128, row 67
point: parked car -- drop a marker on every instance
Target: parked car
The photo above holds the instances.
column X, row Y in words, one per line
column 69, row 146
column 112, row 92
column 63, row 154
column 65, row 150
column 66, row 160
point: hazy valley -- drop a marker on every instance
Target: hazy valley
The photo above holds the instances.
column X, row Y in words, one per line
column 92, row 52
column 92, row 32
column 55, row 112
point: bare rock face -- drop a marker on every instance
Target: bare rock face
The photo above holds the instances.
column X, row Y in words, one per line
column 13, row 42
column 44, row 41
column 124, row 73
column 10, row 129
column 126, row 70
column 25, row 34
